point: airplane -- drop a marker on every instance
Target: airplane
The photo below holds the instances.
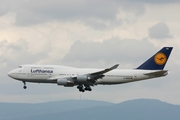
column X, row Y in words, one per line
column 84, row 78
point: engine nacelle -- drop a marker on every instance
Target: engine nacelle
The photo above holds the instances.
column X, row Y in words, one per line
column 65, row 82
column 83, row 78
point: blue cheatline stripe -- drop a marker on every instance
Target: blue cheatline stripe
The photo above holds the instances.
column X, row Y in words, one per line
column 157, row 61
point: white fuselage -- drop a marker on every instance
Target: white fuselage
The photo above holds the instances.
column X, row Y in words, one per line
column 50, row 74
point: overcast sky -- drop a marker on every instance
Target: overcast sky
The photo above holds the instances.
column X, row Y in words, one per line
column 89, row 33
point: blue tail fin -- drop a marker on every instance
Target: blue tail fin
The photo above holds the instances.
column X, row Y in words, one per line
column 157, row 61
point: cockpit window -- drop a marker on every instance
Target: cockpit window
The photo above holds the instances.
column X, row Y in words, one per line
column 20, row 67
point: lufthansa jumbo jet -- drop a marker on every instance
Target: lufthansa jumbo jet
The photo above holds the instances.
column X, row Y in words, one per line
column 84, row 78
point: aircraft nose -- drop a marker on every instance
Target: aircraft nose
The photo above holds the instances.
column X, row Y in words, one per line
column 10, row 74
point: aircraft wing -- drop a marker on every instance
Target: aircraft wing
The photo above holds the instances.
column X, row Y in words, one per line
column 96, row 75
column 91, row 78
column 104, row 71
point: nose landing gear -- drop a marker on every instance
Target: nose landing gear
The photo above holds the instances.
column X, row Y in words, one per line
column 24, row 85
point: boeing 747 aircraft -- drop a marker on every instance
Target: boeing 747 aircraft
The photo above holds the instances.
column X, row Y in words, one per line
column 84, row 78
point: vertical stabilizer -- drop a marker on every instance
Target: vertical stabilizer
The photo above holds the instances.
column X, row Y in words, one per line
column 157, row 61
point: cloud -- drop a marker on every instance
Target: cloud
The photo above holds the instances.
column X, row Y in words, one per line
column 35, row 12
column 114, row 50
column 155, row 1
column 17, row 53
column 95, row 14
column 159, row 31
column 46, row 32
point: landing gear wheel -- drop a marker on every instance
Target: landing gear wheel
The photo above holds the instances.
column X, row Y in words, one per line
column 88, row 88
column 81, row 89
column 24, row 87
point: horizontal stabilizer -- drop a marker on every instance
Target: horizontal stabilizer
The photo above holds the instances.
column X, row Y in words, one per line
column 157, row 73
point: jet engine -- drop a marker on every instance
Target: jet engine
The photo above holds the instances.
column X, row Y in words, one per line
column 65, row 82
column 83, row 78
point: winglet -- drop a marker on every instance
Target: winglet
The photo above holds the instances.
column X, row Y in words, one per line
column 105, row 70
column 114, row 67
column 109, row 69
column 157, row 61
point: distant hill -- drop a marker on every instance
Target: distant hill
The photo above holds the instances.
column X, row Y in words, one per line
column 139, row 109
column 16, row 111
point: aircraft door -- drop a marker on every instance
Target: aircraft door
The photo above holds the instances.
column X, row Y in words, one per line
column 28, row 72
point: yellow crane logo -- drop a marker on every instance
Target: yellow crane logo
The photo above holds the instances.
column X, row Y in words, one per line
column 160, row 58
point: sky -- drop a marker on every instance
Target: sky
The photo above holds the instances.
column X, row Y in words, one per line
column 89, row 34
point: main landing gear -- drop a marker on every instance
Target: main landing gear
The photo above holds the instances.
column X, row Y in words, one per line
column 24, row 85
column 82, row 89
